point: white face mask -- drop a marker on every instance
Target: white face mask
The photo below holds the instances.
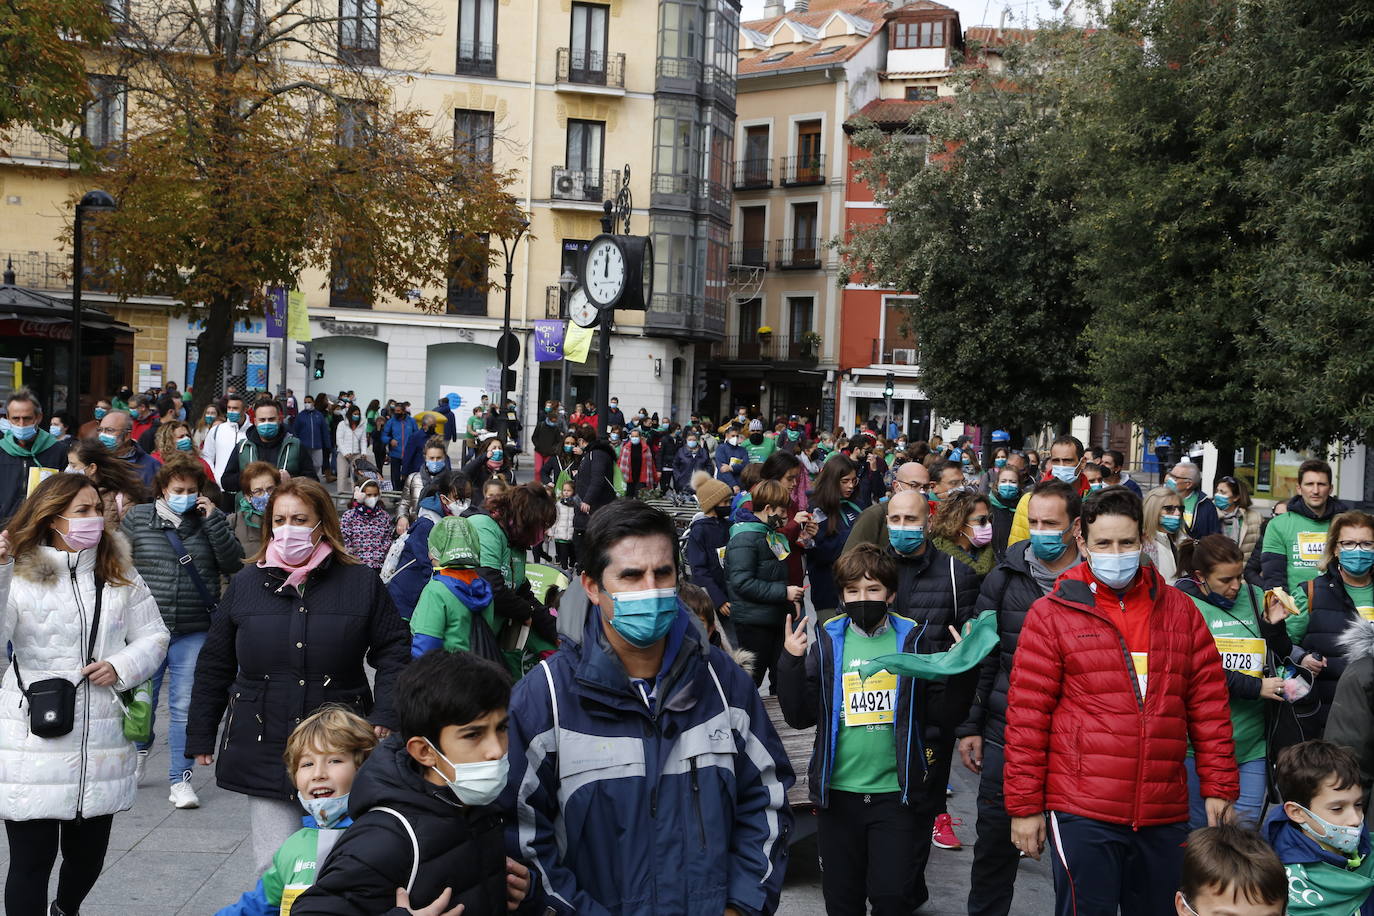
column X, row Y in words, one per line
column 457, row 506
column 477, row 783
column 370, row 502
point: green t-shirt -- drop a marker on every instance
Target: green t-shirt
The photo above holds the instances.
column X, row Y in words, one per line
column 762, row 451
column 1301, row 541
column 1363, row 599
column 866, row 754
column 1189, row 507
column 1242, row 649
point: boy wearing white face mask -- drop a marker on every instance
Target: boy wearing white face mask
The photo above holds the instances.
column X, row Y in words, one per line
column 426, row 833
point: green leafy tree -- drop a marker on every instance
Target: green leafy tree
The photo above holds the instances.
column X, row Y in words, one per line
column 42, row 65
column 981, row 235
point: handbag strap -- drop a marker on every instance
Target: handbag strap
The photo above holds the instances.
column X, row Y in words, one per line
column 90, row 646
column 188, row 563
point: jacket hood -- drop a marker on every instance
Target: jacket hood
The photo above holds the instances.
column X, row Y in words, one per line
column 45, row 565
column 744, row 512
column 1188, row 585
column 1332, row 508
column 1358, row 640
column 474, row 594
column 1294, row 846
column 390, row 777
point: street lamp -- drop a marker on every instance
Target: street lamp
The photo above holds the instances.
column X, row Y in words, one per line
column 508, row 246
column 91, row 202
column 567, row 282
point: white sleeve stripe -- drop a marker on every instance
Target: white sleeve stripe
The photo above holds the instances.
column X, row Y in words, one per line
column 758, row 755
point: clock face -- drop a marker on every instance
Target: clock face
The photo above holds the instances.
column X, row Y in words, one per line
column 581, row 310
column 604, row 274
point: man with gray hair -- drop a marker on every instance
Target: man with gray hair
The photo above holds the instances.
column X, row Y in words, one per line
column 28, row 452
column 1199, row 512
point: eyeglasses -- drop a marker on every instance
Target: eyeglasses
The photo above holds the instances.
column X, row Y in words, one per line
column 261, row 491
column 978, row 520
column 1355, row 545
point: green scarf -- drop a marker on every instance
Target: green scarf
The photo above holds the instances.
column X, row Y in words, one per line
column 996, row 501
column 981, row 562
column 251, row 517
column 43, row 441
column 979, row 638
column 777, row 542
column 1322, row 889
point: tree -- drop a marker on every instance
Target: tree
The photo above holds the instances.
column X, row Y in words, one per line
column 243, row 168
column 42, row 68
column 981, row 234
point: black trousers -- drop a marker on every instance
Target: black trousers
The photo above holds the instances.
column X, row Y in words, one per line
column 766, row 644
column 1100, row 867
column 866, row 843
column 929, row 801
column 995, row 859
column 398, row 477
column 563, row 550
column 33, row 851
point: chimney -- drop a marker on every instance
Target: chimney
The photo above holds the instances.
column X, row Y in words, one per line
column 772, row 8
column 801, row 6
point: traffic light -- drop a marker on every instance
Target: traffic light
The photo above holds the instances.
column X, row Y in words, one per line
column 319, row 365
column 508, row 382
column 303, row 353
column 890, row 387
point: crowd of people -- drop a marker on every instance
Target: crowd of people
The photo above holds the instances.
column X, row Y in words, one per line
column 395, row 657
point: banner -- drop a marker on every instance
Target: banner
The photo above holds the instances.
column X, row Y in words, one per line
column 577, row 343
column 276, row 313
column 548, row 340
column 297, row 321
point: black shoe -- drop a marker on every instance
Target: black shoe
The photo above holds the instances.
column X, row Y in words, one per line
column 57, row 911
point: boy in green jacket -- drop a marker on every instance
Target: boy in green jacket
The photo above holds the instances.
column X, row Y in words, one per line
column 444, row 613
column 323, row 755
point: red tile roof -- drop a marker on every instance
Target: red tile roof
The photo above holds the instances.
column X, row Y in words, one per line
column 889, row 112
column 806, row 56
column 817, row 15
column 997, row 38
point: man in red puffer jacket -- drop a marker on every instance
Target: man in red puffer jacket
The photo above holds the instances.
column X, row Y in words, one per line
column 1114, row 675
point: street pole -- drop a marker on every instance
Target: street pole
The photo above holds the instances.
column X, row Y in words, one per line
column 92, row 202
column 508, row 246
column 603, row 364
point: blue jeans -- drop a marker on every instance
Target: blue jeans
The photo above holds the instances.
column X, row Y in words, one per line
column 1254, row 777
column 181, row 662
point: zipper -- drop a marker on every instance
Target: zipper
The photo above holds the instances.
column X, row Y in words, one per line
column 1140, row 721
column 696, row 798
column 229, row 725
column 86, row 690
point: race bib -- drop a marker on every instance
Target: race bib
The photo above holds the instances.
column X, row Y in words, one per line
column 1243, row 654
column 1141, row 663
column 870, row 702
column 1311, row 546
column 1366, row 612
column 720, row 552
column 37, row 476
column 289, row 895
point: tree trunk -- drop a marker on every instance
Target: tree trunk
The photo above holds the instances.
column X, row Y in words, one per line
column 213, row 344
column 1226, row 456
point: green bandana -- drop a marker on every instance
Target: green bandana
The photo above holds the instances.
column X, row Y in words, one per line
column 1323, row 889
column 42, row 441
column 979, row 638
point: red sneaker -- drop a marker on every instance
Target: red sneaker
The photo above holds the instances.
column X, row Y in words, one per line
column 942, row 834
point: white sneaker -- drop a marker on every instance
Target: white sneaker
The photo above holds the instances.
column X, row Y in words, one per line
column 183, row 796
column 140, row 767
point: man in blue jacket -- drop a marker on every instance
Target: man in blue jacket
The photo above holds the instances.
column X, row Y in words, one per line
column 403, row 439
column 645, row 777
column 312, row 428
column 1199, row 513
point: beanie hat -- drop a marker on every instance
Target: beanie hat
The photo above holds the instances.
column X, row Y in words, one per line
column 710, row 492
column 756, row 426
column 453, row 544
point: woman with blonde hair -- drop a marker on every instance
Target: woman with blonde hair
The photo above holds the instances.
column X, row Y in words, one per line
column 1163, row 531
column 76, row 612
column 173, row 439
column 290, row 634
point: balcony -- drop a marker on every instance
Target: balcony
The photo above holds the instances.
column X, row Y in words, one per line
column 801, row 171
column 894, row 354
column 575, row 187
column 753, row 174
column 28, row 144
column 770, row 348
column 476, row 58
column 685, row 317
column 582, row 70
column 749, row 253
column 49, row 270
column 799, row 254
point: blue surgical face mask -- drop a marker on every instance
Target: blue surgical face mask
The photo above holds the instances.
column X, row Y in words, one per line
column 1357, row 562
column 268, row 429
column 999, row 462
column 692, row 444
column 1064, row 474
column 906, row 540
column 1171, row 484
column 23, row 433
column 496, row 455
column 259, row 503
column 326, row 811
column 644, row 617
column 181, row 503
column 1170, row 523
column 1115, row 570
column 434, row 467
column 108, row 440
column 1048, row 546
column 1221, row 501
column 1007, row 491
column 1218, row 599
column 184, row 443
column 100, row 413
column 567, row 448
column 232, row 415
column 1345, row 840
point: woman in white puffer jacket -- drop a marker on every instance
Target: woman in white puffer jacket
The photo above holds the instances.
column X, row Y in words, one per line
column 63, row 792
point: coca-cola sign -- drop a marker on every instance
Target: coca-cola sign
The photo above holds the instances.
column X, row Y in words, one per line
column 41, row 330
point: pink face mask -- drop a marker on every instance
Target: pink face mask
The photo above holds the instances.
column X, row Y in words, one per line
column 83, row 533
column 294, row 542
column 982, row 536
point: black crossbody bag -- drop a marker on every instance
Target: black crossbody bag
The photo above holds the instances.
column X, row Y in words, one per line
column 52, row 701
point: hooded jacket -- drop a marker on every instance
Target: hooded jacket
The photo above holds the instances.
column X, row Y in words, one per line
column 687, row 462
column 1351, row 719
column 213, row 549
column 413, row 567
column 312, row 428
column 1284, row 563
column 275, row 655
column 284, row 452
column 1081, row 739
column 448, row 844
column 593, row 485
column 18, row 458
column 706, row 537
column 680, row 811
column 733, row 456
column 1319, row 881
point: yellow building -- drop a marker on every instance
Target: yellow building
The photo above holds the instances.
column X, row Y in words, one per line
column 568, row 95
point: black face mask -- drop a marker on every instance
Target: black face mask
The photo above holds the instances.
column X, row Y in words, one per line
column 866, row 614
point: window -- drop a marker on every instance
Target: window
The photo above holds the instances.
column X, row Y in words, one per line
column 753, row 236
column 774, row 58
column 808, row 164
column 104, row 121
column 588, row 58
column 472, row 135
column 680, row 31
column 826, row 52
column 351, row 284
column 359, row 25
column 477, row 37
column 918, row 34
column 750, row 319
column 921, row 93
column 677, row 147
column 585, row 144
column 118, row 11
column 467, row 281
column 800, row 311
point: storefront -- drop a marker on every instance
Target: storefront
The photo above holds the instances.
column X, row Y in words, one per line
column 862, row 397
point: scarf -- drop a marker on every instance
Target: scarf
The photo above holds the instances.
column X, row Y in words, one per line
column 251, row 517
column 979, row 638
column 42, row 441
column 981, row 562
column 167, row 513
column 296, row 575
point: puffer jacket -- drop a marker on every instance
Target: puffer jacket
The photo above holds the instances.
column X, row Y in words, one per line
column 1010, row 589
column 212, row 546
column 1330, row 612
column 1079, row 737
column 367, row 533
column 48, row 600
column 756, row 579
column 811, row 696
column 411, row 492
column 459, row 847
column 706, row 537
column 273, row 657
column 1351, row 720
column 413, row 567
column 679, row 813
